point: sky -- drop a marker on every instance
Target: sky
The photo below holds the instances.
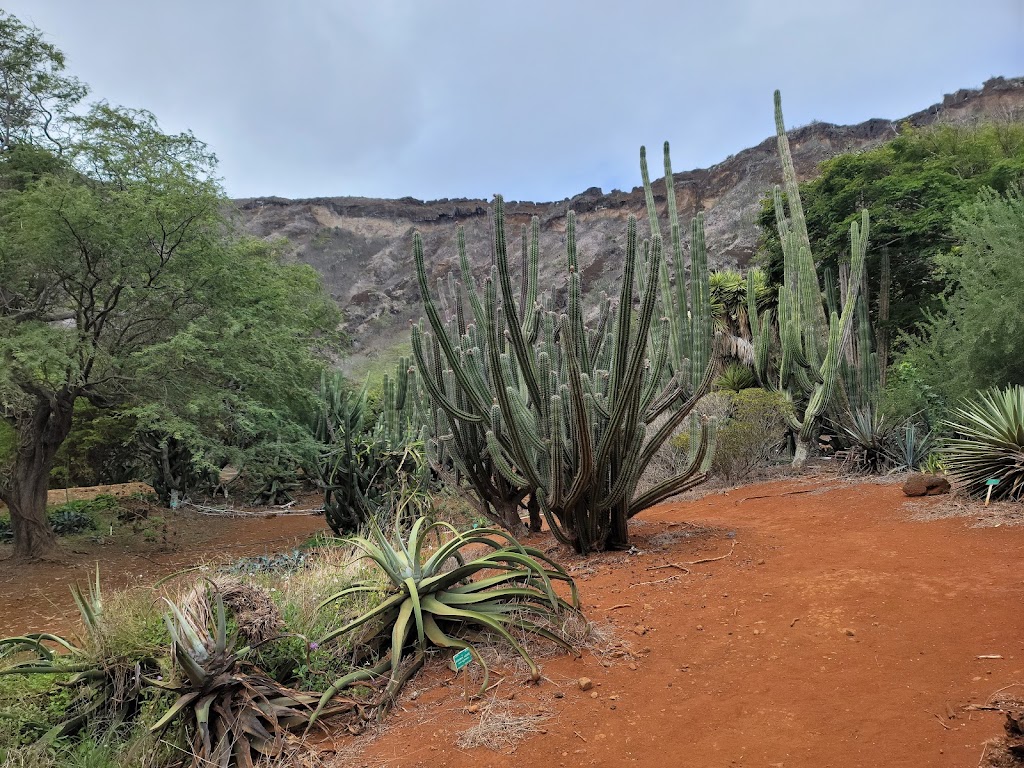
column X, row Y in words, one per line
column 534, row 100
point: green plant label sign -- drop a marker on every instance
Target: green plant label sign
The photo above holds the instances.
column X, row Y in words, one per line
column 993, row 481
column 462, row 658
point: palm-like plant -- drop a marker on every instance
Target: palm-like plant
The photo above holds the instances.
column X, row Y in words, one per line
column 434, row 598
column 988, row 443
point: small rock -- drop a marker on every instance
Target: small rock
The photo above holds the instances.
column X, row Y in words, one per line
column 585, row 684
column 640, row 629
column 473, row 709
column 921, row 484
column 849, row 632
column 633, row 667
column 645, row 649
column 757, row 631
column 593, row 694
column 559, row 695
column 612, row 707
column 700, row 627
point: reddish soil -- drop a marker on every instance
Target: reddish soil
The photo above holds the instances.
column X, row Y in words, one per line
column 36, row 597
column 837, row 631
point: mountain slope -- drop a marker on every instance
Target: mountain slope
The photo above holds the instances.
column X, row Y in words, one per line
column 362, row 246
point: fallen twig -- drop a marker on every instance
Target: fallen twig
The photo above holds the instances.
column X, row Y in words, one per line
column 620, row 605
column 712, row 559
column 775, row 495
column 940, row 722
column 669, row 565
column 580, row 735
column 658, row 581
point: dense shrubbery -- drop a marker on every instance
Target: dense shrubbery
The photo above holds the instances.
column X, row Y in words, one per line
column 753, row 434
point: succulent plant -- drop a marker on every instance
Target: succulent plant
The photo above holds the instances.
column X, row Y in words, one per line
column 532, row 401
column 434, row 598
column 988, row 443
column 816, row 355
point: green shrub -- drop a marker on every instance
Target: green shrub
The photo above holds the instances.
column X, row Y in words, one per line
column 753, row 433
column 988, row 443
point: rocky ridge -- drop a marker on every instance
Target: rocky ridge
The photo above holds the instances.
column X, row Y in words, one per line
column 362, row 246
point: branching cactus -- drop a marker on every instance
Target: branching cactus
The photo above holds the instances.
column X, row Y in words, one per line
column 531, row 401
column 811, row 347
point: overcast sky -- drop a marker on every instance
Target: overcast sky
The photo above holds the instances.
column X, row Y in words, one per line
column 535, row 100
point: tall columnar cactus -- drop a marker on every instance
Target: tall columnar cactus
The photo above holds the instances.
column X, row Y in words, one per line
column 811, row 347
column 535, row 401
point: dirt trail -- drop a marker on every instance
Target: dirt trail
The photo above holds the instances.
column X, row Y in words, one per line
column 838, row 633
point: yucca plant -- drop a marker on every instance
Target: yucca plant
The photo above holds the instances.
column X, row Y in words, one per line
column 108, row 690
column 434, row 598
column 910, row 447
column 868, row 436
column 988, row 443
column 735, row 378
column 233, row 715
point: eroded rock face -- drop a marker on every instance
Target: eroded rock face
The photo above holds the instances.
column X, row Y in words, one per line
column 925, row 485
column 363, row 246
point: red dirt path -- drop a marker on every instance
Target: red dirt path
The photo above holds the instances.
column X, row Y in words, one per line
column 839, row 632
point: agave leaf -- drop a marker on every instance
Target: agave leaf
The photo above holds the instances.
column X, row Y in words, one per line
column 414, row 598
column 437, row 608
column 392, row 603
column 172, row 712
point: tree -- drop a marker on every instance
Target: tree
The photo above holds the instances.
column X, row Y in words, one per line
column 912, row 188
column 973, row 341
column 123, row 285
column 36, row 97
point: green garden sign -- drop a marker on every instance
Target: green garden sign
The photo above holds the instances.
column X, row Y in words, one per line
column 462, row 658
column 991, row 483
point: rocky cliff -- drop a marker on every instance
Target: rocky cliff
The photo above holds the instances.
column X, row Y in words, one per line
column 362, row 246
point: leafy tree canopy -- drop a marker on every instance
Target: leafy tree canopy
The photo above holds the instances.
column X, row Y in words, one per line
column 123, row 284
column 973, row 341
column 912, row 187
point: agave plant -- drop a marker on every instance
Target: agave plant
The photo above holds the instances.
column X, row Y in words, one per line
column 988, row 443
column 910, row 447
column 736, row 377
column 868, row 436
column 108, row 691
column 232, row 715
column 433, row 599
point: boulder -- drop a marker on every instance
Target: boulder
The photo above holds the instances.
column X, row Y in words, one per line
column 921, row 484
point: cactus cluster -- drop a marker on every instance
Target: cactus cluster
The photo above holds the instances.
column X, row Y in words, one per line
column 365, row 461
column 529, row 401
column 812, row 349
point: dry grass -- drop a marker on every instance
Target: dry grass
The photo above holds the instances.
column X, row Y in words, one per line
column 502, row 724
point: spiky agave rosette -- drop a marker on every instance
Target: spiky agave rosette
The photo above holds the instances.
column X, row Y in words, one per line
column 432, row 603
column 989, row 444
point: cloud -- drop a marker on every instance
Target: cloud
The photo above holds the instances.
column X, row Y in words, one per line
column 536, row 100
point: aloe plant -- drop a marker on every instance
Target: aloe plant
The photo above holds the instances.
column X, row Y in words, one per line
column 435, row 598
column 233, row 716
column 107, row 691
column 988, row 443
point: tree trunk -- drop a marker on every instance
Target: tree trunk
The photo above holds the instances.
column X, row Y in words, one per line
column 506, row 512
column 40, row 434
column 800, row 452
